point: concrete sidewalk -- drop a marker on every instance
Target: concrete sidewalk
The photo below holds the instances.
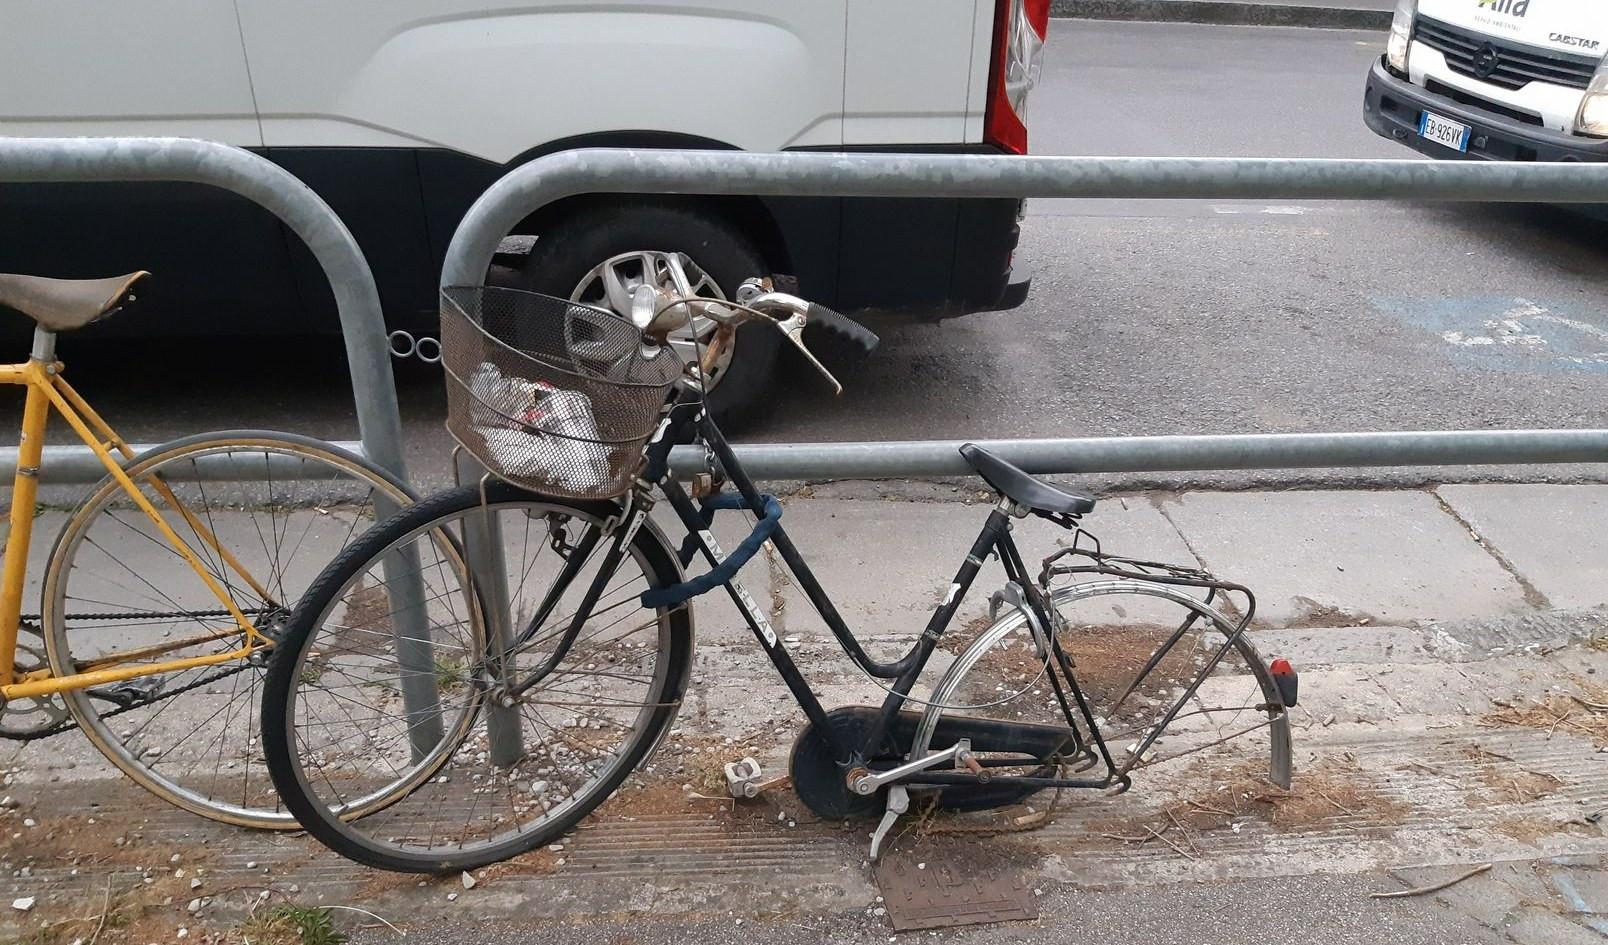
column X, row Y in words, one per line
column 1322, row 14
column 1444, row 637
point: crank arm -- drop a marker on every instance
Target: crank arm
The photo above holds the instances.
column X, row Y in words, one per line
column 960, row 753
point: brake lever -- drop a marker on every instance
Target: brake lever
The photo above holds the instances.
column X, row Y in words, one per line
column 793, row 328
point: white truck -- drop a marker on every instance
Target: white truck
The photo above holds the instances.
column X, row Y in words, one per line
column 400, row 113
column 1501, row 80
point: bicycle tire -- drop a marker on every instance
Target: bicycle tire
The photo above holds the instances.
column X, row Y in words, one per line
column 1246, row 658
column 162, row 743
column 313, row 763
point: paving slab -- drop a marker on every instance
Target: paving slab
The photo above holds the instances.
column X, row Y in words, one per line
column 1539, row 927
column 1391, row 557
column 886, row 564
column 889, row 563
column 1556, row 536
column 1411, row 736
column 1326, row 646
column 1131, row 526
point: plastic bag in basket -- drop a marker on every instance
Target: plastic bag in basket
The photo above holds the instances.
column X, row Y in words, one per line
column 551, row 435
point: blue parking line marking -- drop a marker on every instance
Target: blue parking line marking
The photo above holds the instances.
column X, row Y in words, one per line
column 1508, row 333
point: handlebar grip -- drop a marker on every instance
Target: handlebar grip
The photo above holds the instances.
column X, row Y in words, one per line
column 842, row 326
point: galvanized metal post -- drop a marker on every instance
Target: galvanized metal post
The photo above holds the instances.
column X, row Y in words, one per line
column 483, row 547
column 57, row 160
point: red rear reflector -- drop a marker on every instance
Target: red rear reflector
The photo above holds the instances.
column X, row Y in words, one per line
column 1286, row 679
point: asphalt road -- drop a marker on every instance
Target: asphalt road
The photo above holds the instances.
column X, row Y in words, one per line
column 1146, row 317
column 1164, row 317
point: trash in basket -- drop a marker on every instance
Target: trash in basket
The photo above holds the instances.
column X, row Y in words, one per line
column 555, row 396
column 556, row 439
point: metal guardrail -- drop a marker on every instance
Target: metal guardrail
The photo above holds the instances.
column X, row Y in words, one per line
column 79, row 464
column 618, row 171
column 917, row 458
column 571, row 173
column 379, row 423
column 58, row 160
column 1128, row 454
column 731, row 172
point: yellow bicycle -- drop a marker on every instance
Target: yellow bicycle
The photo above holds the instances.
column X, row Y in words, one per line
column 167, row 586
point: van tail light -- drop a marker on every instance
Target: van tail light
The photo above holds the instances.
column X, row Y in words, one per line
column 1020, row 27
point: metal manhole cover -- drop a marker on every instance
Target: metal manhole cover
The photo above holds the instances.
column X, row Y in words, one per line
column 949, row 893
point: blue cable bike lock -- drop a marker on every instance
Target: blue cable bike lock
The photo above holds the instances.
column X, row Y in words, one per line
column 678, row 594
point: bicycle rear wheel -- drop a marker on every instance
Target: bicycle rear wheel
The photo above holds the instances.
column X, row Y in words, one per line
column 1163, row 673
column 262, row 512
column 349, row 713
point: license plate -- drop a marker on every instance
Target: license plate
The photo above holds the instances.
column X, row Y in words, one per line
column 1453, row 134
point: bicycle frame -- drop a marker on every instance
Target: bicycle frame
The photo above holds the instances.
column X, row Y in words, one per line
column 993, row 538
column 687, row 419
column 47, row 390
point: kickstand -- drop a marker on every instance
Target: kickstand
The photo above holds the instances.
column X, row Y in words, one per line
column 898, row 803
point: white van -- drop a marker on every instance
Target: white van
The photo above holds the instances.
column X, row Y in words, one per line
column 1503, row 80
column 400, row 113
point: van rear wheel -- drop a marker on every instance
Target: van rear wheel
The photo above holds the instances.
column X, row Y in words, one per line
column 576, row 257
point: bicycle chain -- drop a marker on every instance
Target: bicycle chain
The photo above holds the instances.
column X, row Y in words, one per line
column 28, row 626
column 1026, row 822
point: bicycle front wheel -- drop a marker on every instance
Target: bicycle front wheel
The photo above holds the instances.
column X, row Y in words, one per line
column 260, row 513
column 383, row 686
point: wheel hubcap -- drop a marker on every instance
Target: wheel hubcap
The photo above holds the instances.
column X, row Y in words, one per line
column 610, row 284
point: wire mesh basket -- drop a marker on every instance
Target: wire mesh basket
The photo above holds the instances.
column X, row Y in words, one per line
column 553, row 396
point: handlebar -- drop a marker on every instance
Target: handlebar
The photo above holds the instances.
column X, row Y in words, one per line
column 658, row 312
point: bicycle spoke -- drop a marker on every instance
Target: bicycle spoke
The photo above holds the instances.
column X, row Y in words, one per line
column 194, row 731
column 560, row 748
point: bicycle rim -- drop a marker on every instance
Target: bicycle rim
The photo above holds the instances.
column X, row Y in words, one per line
column 261, row 513
column 1165, row 675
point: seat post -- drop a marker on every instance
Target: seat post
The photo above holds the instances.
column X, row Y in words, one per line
column 44, row 346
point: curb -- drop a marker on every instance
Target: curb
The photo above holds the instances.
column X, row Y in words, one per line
column 1223, row 12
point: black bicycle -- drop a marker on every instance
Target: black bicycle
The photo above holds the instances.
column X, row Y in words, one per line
column 558, row 631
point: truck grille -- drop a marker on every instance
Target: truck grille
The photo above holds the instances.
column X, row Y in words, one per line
column 1516, row 65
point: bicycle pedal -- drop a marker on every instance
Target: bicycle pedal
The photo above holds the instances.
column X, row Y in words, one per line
column 126, row 695
column 742, row 778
